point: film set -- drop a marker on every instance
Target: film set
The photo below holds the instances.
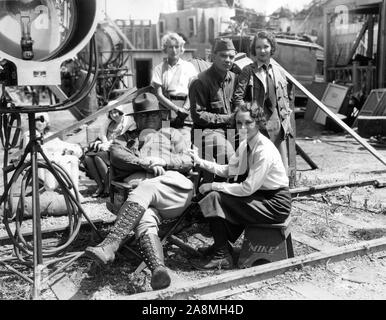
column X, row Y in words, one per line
column 199, row 150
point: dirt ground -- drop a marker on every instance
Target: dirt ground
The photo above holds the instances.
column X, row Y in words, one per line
column 339, row 158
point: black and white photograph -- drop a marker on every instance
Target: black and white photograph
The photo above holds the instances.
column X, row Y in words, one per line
column 190, row 157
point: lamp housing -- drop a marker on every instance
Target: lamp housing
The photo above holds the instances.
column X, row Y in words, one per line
column 37, row 36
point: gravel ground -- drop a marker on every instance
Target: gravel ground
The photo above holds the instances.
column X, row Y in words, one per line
column 339, row 158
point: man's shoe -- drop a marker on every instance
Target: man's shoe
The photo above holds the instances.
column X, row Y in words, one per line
column 160, row 278
column 101, row 254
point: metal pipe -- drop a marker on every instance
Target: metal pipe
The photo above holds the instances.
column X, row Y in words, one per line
column 302, row 191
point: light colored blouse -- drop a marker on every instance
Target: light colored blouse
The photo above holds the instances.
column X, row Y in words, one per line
column 266, row 169
column 174, row 80
column 263, row 73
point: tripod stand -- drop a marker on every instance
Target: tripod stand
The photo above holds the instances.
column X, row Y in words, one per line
column 34, row 255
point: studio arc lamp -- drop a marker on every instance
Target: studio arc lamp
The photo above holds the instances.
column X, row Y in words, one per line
column 37, row 36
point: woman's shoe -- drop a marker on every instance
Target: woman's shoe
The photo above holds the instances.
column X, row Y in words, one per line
column 97, row 193
column 208, row 251
column 219, row 260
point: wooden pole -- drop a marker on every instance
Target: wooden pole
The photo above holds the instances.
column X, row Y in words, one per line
column 335, row 118
column 357, row 42
column 381, row 54
column 370, row 40
column 306, row 157
column 326, row 40
column 125, row 98
column 355, row 76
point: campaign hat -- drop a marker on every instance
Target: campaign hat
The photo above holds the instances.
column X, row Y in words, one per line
column 145, row 102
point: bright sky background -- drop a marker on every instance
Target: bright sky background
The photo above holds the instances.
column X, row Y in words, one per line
column 150, row 9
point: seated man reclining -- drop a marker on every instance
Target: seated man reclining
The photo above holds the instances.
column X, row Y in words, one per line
column 165, row 195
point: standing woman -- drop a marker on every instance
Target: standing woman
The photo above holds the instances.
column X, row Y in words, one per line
column 171, row 80
column 97, row 159
column 260, row 193
column 264, row 82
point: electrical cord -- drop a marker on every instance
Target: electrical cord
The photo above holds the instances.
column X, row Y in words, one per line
column 22, row 248
column 16, row 215
column 10, row 139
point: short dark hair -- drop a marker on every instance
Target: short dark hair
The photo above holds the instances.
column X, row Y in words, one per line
column 264, row 35
column 255, row 110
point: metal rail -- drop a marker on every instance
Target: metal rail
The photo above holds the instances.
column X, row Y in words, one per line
column 259, row 273
column 219, row 285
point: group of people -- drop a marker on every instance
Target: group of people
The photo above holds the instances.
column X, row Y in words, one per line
column 211, row 114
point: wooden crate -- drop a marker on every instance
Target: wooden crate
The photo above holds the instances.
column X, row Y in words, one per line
column 371, row 126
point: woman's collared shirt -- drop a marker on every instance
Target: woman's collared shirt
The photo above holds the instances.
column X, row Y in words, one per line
column 266, row 169
column 263, row 73
column 174, row 80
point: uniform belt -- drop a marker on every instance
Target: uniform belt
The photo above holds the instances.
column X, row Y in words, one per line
column 177, row 98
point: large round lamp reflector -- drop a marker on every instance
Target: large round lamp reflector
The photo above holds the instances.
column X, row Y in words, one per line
column 39, row 35
column 50, row 23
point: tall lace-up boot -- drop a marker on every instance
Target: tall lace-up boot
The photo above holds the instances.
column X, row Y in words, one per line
column 152, row 253
column 127, row 219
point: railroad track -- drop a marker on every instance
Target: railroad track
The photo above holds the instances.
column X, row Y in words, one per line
column 324, row 250
column 322, row 231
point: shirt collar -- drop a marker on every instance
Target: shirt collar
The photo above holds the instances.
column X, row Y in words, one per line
column 254, row 141
column 218, row 77
column 169, row 66
column 260, row 64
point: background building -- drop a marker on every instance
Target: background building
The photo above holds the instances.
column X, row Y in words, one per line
column 199, row 22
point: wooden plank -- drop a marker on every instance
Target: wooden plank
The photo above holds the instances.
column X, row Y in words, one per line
column 333, row 98
column 291, row 149
column 59, row 93
column 182, row 245
column 125, row 98
column 311, row 242
column 254, row 274
column 64, row 288
column 357, row 42
column 4, row 239
column 317, row 89
column 306, row 157
column 343, row 125
column 381, row 111
column 311, row 292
